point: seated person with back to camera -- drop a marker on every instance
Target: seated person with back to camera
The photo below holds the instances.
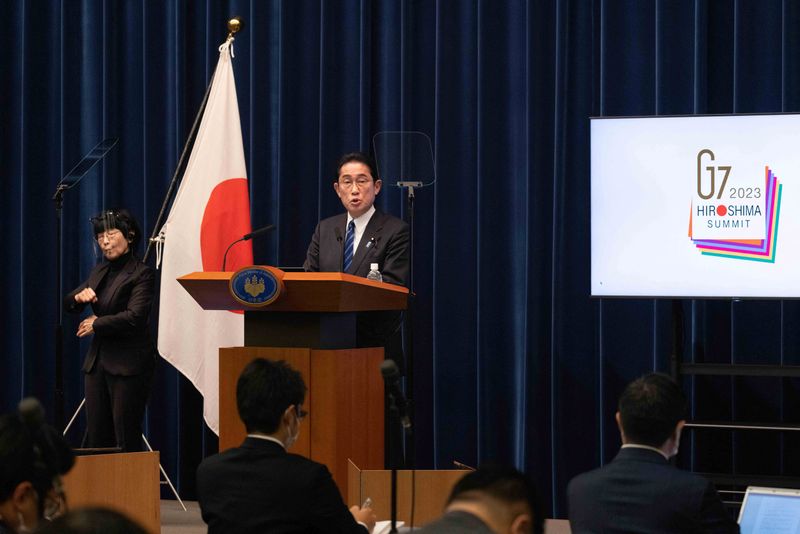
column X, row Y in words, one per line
column 261, row 487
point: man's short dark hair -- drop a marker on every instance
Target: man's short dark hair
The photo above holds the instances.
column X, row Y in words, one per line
column 504, row 484
column 650, row 408
column 17, row 456
column 31, row 451
column 358, row 157
column 263, row 392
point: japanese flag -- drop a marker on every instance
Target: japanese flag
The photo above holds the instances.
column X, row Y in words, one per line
column 211, row 210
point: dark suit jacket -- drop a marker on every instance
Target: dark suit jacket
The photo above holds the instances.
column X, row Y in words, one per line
column 258, row 488
column 639, row 491
column 456, row 523
column 385, row 242
column 120, row 337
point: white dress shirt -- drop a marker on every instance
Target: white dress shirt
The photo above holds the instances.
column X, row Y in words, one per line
column 361, row 226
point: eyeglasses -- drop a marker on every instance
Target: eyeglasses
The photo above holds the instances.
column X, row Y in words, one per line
column 361, row 182
column 301, row 414
column 109, row 234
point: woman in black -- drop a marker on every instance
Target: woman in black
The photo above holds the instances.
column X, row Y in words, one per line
column 120, row 361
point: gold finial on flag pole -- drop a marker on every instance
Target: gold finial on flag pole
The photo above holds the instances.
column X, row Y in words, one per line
column 235, row 25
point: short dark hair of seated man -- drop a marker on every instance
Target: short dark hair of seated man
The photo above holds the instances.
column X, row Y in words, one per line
column 652, row 411
column 92, row 521
column 33, row 455
column 264, row 391
column 259, row 486
column 492, row 499
column 639, row 490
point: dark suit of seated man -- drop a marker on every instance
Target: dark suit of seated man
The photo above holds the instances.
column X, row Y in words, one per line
column 640, row 491
column 353, row 240
column 258, row 487
column 491, row 500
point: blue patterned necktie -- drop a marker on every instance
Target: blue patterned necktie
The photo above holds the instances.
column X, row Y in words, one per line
column 349, row 238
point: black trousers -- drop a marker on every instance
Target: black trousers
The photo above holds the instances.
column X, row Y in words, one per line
column 382, row 329
column 115, row 407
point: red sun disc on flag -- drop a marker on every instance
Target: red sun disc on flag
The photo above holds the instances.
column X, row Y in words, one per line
column 226, row 219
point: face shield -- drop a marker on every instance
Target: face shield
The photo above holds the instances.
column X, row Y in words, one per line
column 106, row 223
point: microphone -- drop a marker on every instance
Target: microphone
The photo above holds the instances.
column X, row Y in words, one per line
column 391, row 376
column 258, row 232
column 246, row 237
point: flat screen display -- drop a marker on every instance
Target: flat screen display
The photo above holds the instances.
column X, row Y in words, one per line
column 696, row 206
column 770, row 511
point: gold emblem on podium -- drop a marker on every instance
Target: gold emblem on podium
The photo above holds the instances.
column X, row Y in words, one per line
column 254, row 286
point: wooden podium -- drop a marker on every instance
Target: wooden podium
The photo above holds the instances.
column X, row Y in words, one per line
column 430, row 489
column 127, row 482
column 312, row 325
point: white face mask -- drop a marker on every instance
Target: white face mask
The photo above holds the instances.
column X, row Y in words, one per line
column 291, row 440
column 677, row 444
column 22, row 528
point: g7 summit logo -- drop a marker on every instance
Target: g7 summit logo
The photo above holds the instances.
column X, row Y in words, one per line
column 738, row 220
column 744, row 206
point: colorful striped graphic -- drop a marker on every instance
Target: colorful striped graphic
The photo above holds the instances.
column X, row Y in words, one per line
column 762, row 250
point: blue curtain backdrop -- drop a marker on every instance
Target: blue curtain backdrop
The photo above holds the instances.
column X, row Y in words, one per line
column 514, row 361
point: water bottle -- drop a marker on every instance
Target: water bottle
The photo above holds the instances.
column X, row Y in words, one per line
column 374, row 273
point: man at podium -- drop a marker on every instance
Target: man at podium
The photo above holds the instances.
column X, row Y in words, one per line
column 352, row 241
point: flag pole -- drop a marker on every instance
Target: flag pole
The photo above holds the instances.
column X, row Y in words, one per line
column 235, row 25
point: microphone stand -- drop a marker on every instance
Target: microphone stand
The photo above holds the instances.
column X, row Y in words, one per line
column 69, row 181
column 58, row 400
column 225, row 256
column 394, row 412
column 399, row 419
column 408, row 320
column 398, row 415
